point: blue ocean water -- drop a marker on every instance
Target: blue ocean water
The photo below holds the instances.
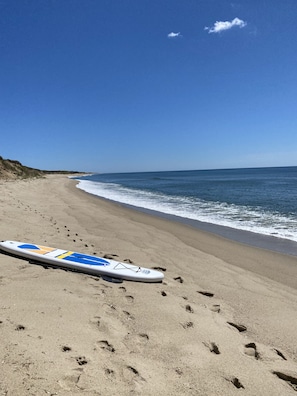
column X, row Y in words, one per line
column 258, row 200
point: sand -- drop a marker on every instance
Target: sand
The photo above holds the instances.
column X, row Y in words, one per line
column 223, row 322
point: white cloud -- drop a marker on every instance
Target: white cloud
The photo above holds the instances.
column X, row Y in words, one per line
column 173, row 35
column 219, row 26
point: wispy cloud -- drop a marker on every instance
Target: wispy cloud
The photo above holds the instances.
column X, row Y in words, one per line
column 219, row 26
column 174, row 35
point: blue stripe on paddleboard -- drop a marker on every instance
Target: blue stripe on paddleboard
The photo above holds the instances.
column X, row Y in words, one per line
column 28, row 246
column 86, row 259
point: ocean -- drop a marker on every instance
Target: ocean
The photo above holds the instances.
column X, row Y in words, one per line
column 256, row 206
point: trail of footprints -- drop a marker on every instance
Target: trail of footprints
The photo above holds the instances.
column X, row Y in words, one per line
column 58, row 228
column 105, row 346
column 250, row 349
column 73, row 237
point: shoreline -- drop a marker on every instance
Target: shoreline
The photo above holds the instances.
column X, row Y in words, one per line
column 211, row 242
column 248, row 238
column 264, row 241
column 223, row 320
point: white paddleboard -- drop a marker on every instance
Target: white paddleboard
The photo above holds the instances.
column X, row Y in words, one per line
column 81, row 262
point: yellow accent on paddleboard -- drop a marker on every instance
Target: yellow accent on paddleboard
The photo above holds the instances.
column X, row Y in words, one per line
column 64, row 255
column 42, row 250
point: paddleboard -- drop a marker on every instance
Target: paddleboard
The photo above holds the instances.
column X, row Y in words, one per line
column 81, row 262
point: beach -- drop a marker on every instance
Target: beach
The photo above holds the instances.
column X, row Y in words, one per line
column 223, row 321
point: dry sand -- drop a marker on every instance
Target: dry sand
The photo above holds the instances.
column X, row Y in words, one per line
column 223, row 322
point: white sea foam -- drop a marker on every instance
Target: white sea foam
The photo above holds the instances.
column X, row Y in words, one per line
column 234, row 216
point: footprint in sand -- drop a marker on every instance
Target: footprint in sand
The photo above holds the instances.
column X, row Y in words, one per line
column 289, row 377
column 109, row 309
column 159, row 269
column 280, row 354
column 215, row 308
column 129, row 299
column 110, row 256
column 235, row 381
column 143, row 336
column 206, row 293
column 104, row 344
column 179, row 371
column 66, row 348
column 189, row 308
column 81, row 360
column 132, row 373
column 134, row 341
column 187, row 325
column 179, row 279
column 20, row 328
column 241, row 328
column 97, row 321
column 251, row 350
column 100, row 292
column 128, row 315
column 213, row 347
column 109, row 372
column 69, row 382
column 133, row 370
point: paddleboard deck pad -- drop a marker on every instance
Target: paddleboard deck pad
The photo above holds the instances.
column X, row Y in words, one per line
column 81, row 262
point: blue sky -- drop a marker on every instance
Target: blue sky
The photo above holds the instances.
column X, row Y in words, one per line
column 147, row 85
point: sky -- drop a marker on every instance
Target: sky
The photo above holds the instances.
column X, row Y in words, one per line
column 148, row 85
